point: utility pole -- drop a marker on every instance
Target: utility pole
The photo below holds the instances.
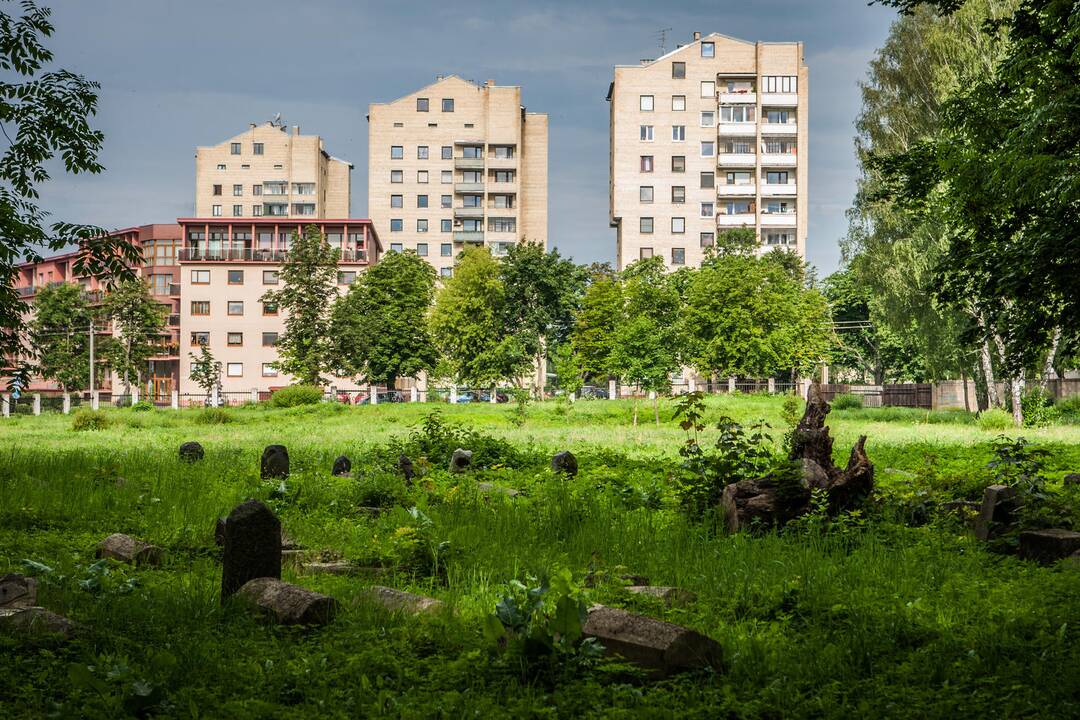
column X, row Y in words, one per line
column 91, row 358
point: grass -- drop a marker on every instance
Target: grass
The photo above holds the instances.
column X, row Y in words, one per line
column 885, row 619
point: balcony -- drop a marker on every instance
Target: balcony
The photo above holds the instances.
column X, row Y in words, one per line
column 196, row 254
column 779, row 160
column 780, row 99
column 779, row 128
column 93, row 296
column 736, row 220
column 464, row 163
column 736, row 98
column 738, row 129
column 747, row 190
column 174, row 289
column 468, row 236
column 165, row 352
column 468, row 212
column 496, row 163
column 468, row 187
column 173, row 320
column 26, row 291
column 736, row 160
column 778, row 219
column 788, row 190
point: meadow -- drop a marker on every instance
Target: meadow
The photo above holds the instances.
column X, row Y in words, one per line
column 896, row 611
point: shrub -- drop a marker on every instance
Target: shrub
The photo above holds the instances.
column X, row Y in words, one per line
column 1038, row 409
column 143, row 406
column 213, row 416
column 1069, row 405
column 296, row 395
column 793, row 410
column 89, row 420
column 437, row 439
column 995, row 419
column 846, row 401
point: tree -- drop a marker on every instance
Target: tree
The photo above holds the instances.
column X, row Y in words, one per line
column 468, row 324
column 595, row 324
column 309, row 286
column 138, row 322
column 379, row 328
column 205, row 371
column 568, row 371
column 43, row 114
column 60, row 336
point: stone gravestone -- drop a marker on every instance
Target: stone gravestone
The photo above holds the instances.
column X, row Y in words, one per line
column 657, row 646
column 287, row 604
column 460, row 460
column 274, row 463
column 1071, row 479
column 191, row 452
column 18, row 591
column 406, row 467
column 252, row 546
column 1047, row 546
column 342, row 466
column 564, row 462
column 998, row 512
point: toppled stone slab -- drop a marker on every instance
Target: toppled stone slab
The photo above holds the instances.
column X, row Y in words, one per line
column 672, row 596
column 125, row 548
column 342, row 466
column 192, row 452
column 18, row 591
column 460, row 460
column 399, row 600
column 998, row 512
column 564, row 463
column 493, row 489
column 660, row 647
column 35, row 620
column 1047, row 546
column 329, row 568
column 287, row 604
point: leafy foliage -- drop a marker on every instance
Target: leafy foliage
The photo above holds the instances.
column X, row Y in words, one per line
column 436, row 439
column 86, row 419
column 59, row 336
column 205, row 371
column 294, row 395
column 138, row 323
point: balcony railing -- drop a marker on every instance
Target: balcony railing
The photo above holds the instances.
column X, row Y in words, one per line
column 173, row 320
column 469, row 212
column 468, row 187
column 773, row 189
column 736, row 160
column 778, row 219
column 468, row 236
column 26, row 291
column 254, row 255
column 780, row 99
column 174, row 289
column 788, row 128
column 779, row 159
column 735, row 190
column 464, row 163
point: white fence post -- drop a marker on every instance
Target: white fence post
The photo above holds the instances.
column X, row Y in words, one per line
column 731, row 384
column 414, row 394
column 611, row 390
column 134, row 394
column 772, row 386
column 494, row 395
column 254, row 395
column 652, row 394
column 37, row 404
column 373, row 394
column 453, row 394
column 67, row 403
column 174, row 399
column 573, row 396
column 215, row 397
column 95, row 400
column 693, row 384
column 5, row 405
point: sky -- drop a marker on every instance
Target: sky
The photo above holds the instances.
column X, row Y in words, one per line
column 175, row 75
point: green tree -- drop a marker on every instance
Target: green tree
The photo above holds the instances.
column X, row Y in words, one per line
column 468, row 324
column 595, row 324
column 379, row 328
column 308, row 288
column 205, row 371
column 60, row 335
column 568, row 370
column 44, row 114
column 138, row 322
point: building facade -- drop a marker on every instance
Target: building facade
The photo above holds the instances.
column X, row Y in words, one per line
column 711, row 136
column 456, row 164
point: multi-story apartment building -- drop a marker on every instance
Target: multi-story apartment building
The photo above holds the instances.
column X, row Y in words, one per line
column 454, row 164
column 270, row 171
column 712, row 135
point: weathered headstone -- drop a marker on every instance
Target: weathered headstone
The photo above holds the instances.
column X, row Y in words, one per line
column 191, row 452
column 219, row 531
column 274, row 463
column 672, row 596
column 35, row 620
column 339, row 567
column 342, row 466
column 405, row 465
column 287, row 604
column 997, row 513
column 1071, row 479
column 18, row 591
column 252, row 546
column 460, row 460
column 564, row 462
column 395, row 600
column 661, row 647
column 1047, row 546
column 129, row 550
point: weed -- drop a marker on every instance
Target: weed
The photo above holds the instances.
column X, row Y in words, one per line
column 90, row 420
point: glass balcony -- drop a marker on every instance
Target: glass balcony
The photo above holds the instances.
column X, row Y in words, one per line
column 468, row 236
column 200, row 254
column 469, row 212
column 468, row 187
column 464, row 163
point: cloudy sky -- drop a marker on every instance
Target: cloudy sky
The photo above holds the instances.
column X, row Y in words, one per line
column 175, row 75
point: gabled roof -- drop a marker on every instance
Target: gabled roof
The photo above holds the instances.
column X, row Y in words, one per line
column 710, row 36
column 441, row 80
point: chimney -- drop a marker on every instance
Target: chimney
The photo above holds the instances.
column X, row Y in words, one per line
column 697, row 36
column 295, row 129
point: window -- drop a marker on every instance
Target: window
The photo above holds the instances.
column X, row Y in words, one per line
column 780, row 147
column 780, row 117
column 645, row 103
column 303, row 208
column 217, row 190
column 740, row 146
column 270, row 308
column 472, row 151
column 501, row 201
column 421, row 225
column 647, row 133
column 396, row 247
column 200, row 277
column 646, row 225
column 503, row 176
column 707, row 210
column 221, row 166
column 678, row 133
column 234, row 369
column 447, row 177
column 472, row 201
column 645, row 193
column 238, row 210
column 678, row 102
column 448, row 104
column 781, row 84
column 446, row 225
column 469, row 225
column 707, row 239
column 303, row 188
column 256, row 210
column 234, row 339
column 397, row 225
column 397, row 176
column 238, row 190
column 256, row 189
column 270, row 277
column 646, row 163
column 645, row 252
column 234, row 148
column 268, row 370
column 708, row 49
column 708, row 179
column 348, row 277
column 421, row 104
column 678, row 163
column 397, row 152
column 737, row 113
column 708, row 88
column 502, row 224
column 421, row 201
column 708, row 118
column 421, row 177
column 708, row 148
column 446, row 201
column 421, row 152
column 446, row 272
column 396, row 201
column 776, row 177
column 739, row 177
column 215, row 210
column 200, row 307
column 503, row 152
column 236, row 277
column 199, row 339
column 779, row 207
column 257, row 148
column 678, row 194
column 236, row 307
column 678, row 225
column 269, row 339
column 678, row 70
column 447, row 152
column 421, row 249
column 779, row 238
column 678, row 256
column 446, row 250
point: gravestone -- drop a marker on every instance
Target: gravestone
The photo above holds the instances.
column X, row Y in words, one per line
column 252, row 546
column 997, row 514
column 35, row 620
column 1047, row 546
column 342, row 466
column 1071, row 479
column 460, row 460
column 191, row 452
column 274, row 463
column 406, row 467
column 18, row 591
column 399, row 600
column 671, row 596
column 287, row 604
column 125, row 548
column 660, row 647
column 564, row 462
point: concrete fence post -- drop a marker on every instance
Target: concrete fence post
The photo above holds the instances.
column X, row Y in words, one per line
column 453, row 394
column 5, row 405
column 373, row 394
column 95, row 400
column 693, row 383
column 652, row 394
column 215, row 397
column 37, row 404
column 731, row 384
column 134, row 394
column 772, row 386
column 612, row 391
column 67, row 403
column 254, row 395
column 573, row 396
column 494, row 395
column 414, row 394
column 174, row 399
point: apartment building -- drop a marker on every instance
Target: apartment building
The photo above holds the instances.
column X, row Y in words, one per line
column 712, row 135
column 456, row 164
column 273, row 171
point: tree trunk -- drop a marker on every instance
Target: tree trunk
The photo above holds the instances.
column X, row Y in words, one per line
column 635, row 410
column 963, row 379
column 1017, row 388
column 656, row 408
column 988, row 374
column 1048, row 366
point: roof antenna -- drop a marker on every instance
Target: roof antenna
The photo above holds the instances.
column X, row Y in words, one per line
column 276, row 122
column 661, row 34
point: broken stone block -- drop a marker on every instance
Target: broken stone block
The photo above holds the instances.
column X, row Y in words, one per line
column 329, row 568
column 274, row 462
column 660, row 647
column 35, row 620
column 18, row 591
column 998, row 511
column 1071, row 479
column 286, row 603
column 564, row 463
column 129, row 550
column 191, row 452
column 460, row 460
column 1047, row 546
column 672, row 596
column 399, row 600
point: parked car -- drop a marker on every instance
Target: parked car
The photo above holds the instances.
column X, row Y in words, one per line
column 592, row 392
column 389, row 396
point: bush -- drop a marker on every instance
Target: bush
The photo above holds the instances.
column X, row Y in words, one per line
column 846, row 401
column 214, row 416
column 995, row 419
column 89, row 420
column 296, row 395
column 143, row 406
column 1038, row 409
